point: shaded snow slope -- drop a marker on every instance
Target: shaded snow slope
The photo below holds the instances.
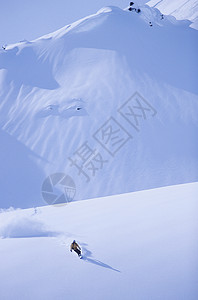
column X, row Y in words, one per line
column 141, row 245
column 69, row 90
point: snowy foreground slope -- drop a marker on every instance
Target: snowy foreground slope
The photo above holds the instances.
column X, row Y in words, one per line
column 108, row 100
column 141, row 245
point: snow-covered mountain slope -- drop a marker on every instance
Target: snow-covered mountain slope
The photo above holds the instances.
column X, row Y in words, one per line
column 141, row 245
column 82, row 89
column 181, row 9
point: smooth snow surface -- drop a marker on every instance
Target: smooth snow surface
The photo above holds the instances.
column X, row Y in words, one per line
column 69, row 89
column 141, row 245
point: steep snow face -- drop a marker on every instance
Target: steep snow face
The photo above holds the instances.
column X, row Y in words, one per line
column 110, row 100
column 181, row 9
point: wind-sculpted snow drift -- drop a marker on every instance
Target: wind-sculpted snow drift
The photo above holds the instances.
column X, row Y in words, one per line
column 109, row 100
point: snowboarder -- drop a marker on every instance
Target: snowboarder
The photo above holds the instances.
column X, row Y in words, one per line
column 74, row 246
column 131, row 3
column 150, row 24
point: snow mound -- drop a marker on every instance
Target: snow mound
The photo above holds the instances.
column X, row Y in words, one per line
column 62, row 95
column 109, row 9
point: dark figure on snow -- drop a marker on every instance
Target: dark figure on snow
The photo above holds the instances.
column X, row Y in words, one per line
column 150, row 24
column 132, row 9
column 131, row 3
column 74, row 246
